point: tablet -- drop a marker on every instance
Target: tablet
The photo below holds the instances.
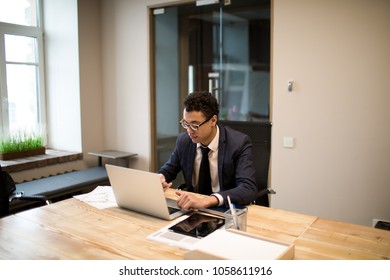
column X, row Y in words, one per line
column 198, row 225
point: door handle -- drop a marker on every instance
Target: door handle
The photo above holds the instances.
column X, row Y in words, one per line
column 214, row 84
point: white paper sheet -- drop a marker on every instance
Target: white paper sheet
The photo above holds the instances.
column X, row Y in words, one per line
column 101, row 197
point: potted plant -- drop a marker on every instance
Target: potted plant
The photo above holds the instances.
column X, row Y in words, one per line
column 21, row 145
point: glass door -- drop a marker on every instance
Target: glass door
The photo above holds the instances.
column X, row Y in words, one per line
column 229, row 55
column 219, row 46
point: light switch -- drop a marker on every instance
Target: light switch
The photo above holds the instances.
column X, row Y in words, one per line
column 288, row 142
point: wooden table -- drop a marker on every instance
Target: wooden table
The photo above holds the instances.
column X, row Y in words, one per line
column 72, row 229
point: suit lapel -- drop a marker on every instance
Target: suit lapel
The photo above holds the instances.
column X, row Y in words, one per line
column 221, row 152
column 190, row 158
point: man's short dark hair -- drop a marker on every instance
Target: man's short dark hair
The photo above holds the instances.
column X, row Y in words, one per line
column 202, row 101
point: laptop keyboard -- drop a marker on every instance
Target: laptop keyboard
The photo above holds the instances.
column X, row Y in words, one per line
column 172, row 210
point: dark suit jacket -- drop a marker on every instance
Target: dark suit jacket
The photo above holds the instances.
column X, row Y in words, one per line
column 235, row 164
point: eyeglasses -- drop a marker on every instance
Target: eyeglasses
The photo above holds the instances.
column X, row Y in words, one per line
column 194, row 127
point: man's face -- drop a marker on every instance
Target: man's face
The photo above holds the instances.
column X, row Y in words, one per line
column 205, row 132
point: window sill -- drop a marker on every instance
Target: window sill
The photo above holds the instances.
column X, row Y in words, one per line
column 50, row 158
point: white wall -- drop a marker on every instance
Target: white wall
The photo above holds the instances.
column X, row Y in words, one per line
column 337, row 54
column 62, row 75
column 125, row 39
column 91, row 80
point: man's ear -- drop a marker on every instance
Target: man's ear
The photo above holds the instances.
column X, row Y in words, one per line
column 214, row 119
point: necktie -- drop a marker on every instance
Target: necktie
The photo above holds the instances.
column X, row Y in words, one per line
column 204, row 183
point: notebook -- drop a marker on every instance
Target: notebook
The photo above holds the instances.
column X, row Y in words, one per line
column 141, row 191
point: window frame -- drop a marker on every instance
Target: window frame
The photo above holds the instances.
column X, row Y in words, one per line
column 28, row 31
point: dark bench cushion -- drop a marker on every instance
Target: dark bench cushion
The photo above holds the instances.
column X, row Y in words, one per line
column 61, row 186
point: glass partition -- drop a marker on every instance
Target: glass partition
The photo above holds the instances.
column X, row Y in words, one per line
column 223, row 48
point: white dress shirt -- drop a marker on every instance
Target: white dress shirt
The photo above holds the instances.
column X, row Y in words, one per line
column 213, row 162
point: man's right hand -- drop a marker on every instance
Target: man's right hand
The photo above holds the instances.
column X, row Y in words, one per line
column 164, row 183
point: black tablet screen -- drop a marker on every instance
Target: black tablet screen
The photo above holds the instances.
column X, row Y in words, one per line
column 198, row 225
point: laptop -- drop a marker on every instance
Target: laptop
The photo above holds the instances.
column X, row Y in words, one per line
column 141, row 191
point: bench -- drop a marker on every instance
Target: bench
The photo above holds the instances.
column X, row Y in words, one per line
column 59, row 187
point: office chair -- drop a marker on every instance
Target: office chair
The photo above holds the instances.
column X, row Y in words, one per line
column 9, row 194
column 260, row 135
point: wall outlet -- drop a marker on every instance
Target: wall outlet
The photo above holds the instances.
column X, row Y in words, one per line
column 288, row 142
column 380, row 223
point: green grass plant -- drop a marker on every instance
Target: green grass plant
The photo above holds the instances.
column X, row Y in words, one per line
column 21, row 142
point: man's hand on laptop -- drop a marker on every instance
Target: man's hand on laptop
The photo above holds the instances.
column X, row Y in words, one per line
column 164, row 183
column 190, row 201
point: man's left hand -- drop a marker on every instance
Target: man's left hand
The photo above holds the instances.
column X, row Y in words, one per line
column 190, row 201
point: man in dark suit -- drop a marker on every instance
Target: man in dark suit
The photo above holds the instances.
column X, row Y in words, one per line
column 230, row 158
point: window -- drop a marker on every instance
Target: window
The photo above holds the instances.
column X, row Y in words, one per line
column 21, row 67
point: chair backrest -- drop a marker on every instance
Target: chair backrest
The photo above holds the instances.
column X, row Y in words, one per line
column 4, row 202
column 9, row 193
column 260, row 135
